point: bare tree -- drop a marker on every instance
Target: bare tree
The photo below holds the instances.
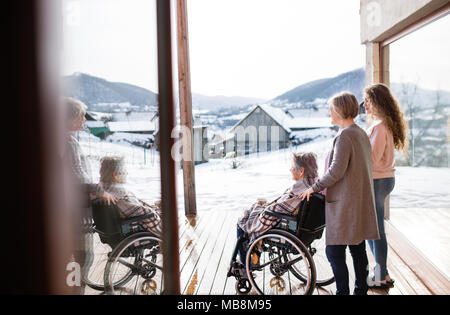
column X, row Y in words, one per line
column 425, row 122
column 408, row 99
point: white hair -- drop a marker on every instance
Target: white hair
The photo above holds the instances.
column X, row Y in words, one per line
column 75, row 108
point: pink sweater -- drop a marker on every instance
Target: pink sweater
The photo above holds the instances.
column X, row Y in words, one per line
column 382, row 143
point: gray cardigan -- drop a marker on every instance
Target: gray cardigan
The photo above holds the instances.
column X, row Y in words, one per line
column 350, row 204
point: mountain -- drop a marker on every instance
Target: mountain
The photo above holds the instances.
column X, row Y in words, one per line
column 353, row 81
column 93, row 91
column 102, row 95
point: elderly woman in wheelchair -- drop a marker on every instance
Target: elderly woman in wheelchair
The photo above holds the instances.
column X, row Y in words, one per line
column 275, row 238
column 128, row 258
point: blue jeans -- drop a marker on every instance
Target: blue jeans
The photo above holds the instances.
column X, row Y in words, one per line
column 382, row 187
column 336, row 256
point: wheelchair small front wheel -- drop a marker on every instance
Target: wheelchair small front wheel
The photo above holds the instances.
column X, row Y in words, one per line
column 243, row 286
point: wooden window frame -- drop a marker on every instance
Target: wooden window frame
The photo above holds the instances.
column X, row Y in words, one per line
column 381, row 66
column 384, row 45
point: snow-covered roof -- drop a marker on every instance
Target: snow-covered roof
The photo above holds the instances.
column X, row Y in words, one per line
column 129, row 136
column 309, row 122
column 131, row 126
column 276, row 114
column 288, row 123
column 94, row 124
column 134, row 116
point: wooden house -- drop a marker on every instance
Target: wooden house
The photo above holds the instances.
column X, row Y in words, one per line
column 265, row 128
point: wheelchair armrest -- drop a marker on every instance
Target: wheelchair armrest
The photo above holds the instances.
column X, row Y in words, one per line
column 136, row 220
column 280, row 215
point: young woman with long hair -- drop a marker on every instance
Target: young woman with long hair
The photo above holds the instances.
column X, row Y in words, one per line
column 387, row 133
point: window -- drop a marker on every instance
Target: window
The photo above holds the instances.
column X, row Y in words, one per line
column 420, row 203
column 112, row 68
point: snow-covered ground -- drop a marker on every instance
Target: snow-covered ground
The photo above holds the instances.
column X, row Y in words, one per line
column 421, row 187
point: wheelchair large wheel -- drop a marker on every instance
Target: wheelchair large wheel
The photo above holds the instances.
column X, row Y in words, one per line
column 93, row 271
column 271, row 260
column 140, row 257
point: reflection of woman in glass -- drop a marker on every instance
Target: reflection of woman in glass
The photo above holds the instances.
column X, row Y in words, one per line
column 76, row 111
column 113, row 180
column 387, row 132
column 79, row 163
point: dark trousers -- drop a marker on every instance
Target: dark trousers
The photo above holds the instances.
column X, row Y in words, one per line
column 336, row 256
column 242, row 251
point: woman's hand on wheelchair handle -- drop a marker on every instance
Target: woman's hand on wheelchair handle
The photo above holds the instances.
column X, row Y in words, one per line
column 109, row 198
column 306, row 194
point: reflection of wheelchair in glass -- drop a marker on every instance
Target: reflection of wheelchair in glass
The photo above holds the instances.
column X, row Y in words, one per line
column 126, row 258
column 281, row 260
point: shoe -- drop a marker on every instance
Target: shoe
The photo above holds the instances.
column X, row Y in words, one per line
column 239, row 270
column 380, row 285
column 390, row 281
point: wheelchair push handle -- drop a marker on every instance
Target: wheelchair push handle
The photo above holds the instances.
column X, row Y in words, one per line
column 301, row 206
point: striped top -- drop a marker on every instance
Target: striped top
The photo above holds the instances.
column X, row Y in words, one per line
column 130, row 206
column 255, row 223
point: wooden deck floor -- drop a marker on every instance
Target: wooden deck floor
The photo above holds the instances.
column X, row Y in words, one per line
column 207, row 243
column 427, row 229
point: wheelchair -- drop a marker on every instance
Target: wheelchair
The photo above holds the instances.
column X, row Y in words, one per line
column 126, row 258
column 280, row 262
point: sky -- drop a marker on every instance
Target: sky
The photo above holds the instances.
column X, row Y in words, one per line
column 252, row 48
column 112, row 39
column 264, row 48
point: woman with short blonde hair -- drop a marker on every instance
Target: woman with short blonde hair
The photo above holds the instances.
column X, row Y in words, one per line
column 345, row 105
column 350, row 206
column 75, row 108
